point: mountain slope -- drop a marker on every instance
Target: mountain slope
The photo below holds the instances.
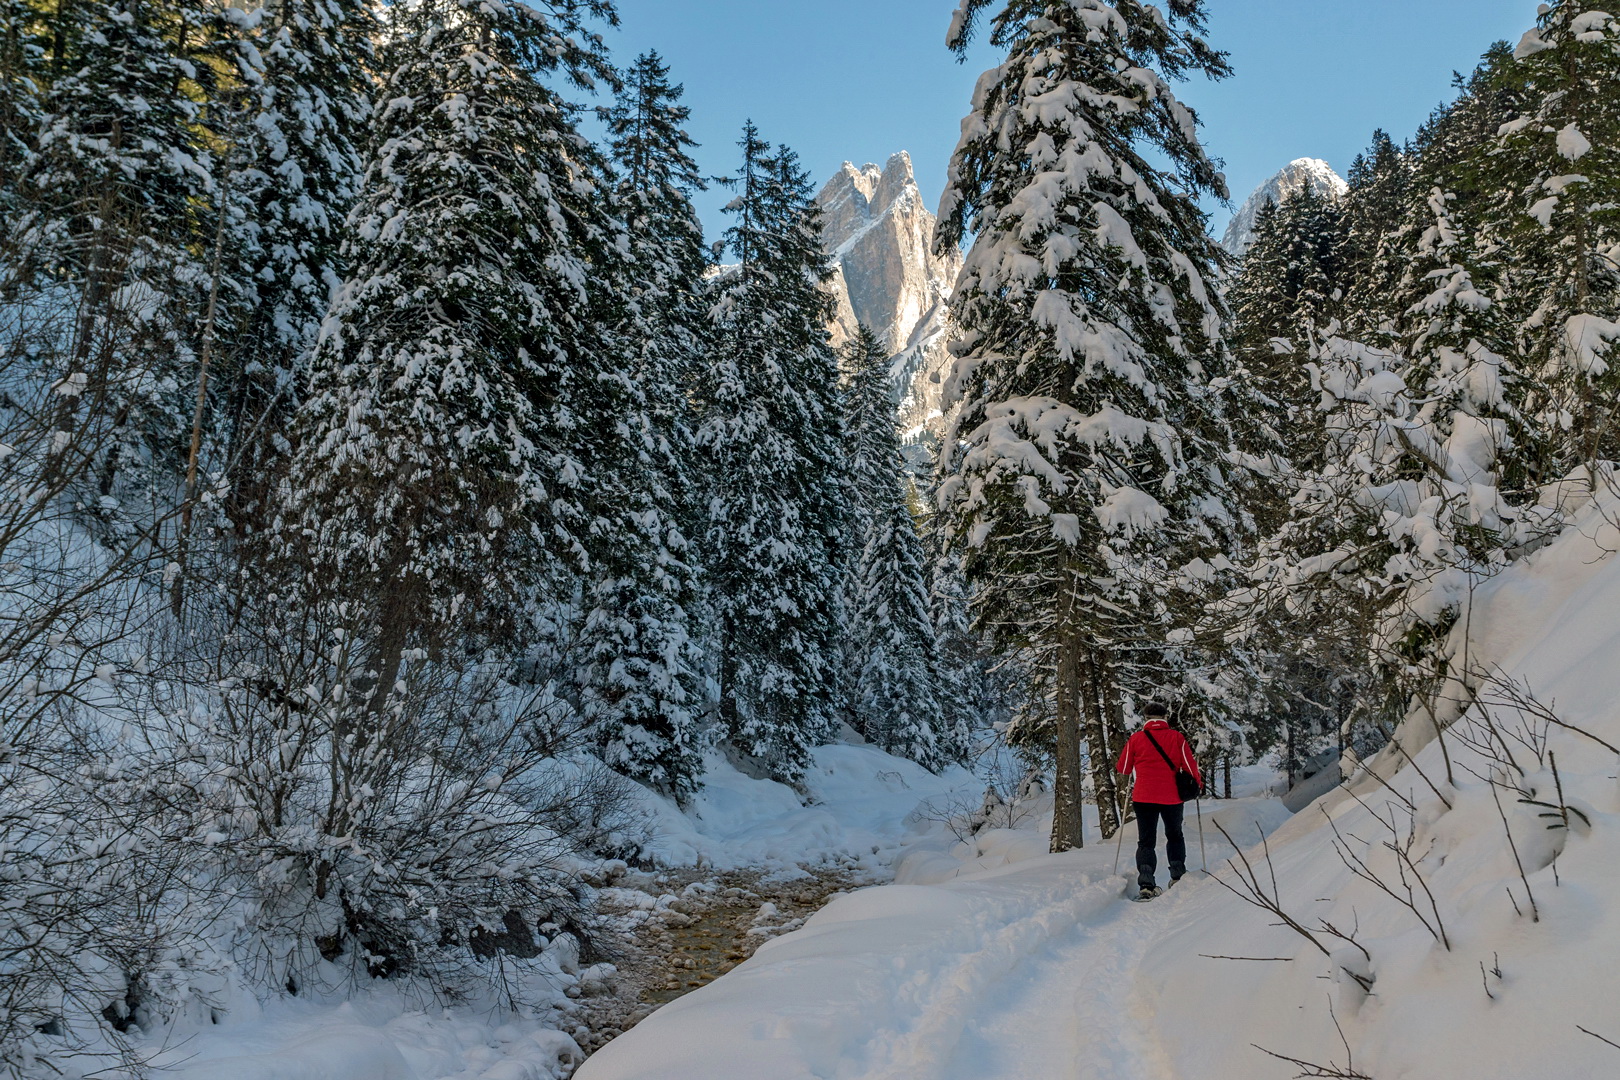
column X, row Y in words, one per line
column 1299, row 175
column 887, row 276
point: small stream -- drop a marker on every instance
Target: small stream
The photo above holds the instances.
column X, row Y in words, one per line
column 681, row 930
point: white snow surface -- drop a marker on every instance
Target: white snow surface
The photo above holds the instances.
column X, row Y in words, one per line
column 1300, row 174
column 990, row 960
column 857, row 803
column 859, row 797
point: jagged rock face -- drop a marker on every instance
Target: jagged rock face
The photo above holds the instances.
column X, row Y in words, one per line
column 887, row 277
column 1299, row 175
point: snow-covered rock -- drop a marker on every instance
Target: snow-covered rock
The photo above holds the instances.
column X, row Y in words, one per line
column 887, row 276
column 1304, row 173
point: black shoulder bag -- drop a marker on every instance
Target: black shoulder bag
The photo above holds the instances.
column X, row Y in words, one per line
column 1187, row 786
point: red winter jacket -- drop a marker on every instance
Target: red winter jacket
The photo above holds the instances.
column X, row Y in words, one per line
column 1155, row 780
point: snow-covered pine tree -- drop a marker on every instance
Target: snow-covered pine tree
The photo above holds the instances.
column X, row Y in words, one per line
column 23, row 79
column 639, row 677
column 1375, row 207
column 309, row 104
column 435, row 478
column 771, row 429
column 1418, row 493
column 657, row 180
column 1561, row 159
column 1288, row 286
column 891, row 634
column 977, row 689
column 1422, row 400
column 118, row 203
column 1293, row 280
column 1387, row 209
column 1086, row 466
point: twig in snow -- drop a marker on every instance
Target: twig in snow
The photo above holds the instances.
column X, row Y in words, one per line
column 1520, row 696
column 1331, row 1070
column 1406, row 866
column 1598, row 1037
column 1257, row 959
column 1252, row 890
column 1535, row 912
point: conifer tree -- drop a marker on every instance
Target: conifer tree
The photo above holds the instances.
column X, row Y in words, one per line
column 891, row 634
column 657, row 181
column 119, row 198
column 1091, row 364
column 1561, row 160
column 421, row 491
column 23, row 79
column 309, row 110
column 976, row 688
column 1374, row 209
column 639, row 680
column 771, row 429
column 1289, row 287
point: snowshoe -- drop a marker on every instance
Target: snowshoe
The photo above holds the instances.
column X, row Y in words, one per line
column 1148, row 894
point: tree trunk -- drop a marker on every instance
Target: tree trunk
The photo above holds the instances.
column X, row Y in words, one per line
column 1100, row 701
column 1067, row 808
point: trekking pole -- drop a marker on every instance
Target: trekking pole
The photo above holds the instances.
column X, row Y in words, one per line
column 1119, row 845
column 1202, row 854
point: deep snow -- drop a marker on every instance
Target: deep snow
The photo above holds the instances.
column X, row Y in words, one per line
column 996, row 961
column 858, row 801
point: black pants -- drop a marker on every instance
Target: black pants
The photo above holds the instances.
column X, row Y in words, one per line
column 1148, row 816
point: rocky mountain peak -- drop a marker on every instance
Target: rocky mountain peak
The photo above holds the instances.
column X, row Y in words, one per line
column 887, row 276
column 1300, row 174
column 858, row 196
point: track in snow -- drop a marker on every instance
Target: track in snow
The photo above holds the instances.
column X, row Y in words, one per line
column 1029, row 972
column 1069, row 1010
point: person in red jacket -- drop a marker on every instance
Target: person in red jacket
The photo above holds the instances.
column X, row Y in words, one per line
column 1155, row 797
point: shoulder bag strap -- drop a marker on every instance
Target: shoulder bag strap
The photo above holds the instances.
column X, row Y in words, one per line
column 1173, row 766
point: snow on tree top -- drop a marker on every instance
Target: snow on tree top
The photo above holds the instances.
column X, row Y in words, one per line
column 1302, row 173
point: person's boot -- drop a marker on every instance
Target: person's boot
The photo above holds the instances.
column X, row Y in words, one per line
column 1148, row 892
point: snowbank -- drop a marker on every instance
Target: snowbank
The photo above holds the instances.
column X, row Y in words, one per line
column 992, row 960
column 921, row 980
column 376, row 1038
column 859, row 799
column 1530, row 959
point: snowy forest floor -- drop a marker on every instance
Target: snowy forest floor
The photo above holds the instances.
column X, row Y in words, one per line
column 1019, row 972
column 746, row 861
column 1447, row 914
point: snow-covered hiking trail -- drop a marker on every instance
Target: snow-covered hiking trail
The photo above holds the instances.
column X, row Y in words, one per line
column 990, row 960
column 1074, row 1011
column 1030, row 971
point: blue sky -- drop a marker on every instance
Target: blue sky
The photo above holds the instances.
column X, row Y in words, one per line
column 860, row 79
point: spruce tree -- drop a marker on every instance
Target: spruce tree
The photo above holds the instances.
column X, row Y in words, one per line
column 23, row 79
column 891, row 633
column 640, row 682
column 309, row 112
column 119, row 198
column 1561, row 160
column 1289, row 288
column 1374, row 208
column 771, row 431
column 1087, row 467
column 421, row 493
column 976, row 688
